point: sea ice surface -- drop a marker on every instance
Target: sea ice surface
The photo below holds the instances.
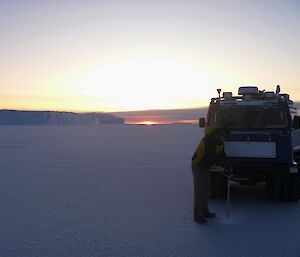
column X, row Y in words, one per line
column 117, row 190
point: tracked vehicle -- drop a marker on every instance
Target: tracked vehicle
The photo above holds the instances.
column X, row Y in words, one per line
column 260, row 141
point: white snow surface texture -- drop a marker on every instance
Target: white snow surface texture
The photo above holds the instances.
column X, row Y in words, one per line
column 117, row 190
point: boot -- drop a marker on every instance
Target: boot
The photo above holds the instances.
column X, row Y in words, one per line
column 200, row 219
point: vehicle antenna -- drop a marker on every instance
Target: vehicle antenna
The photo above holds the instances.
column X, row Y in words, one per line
column 219, row 92
column 277, row 89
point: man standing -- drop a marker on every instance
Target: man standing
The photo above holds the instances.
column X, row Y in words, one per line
column 209, row 152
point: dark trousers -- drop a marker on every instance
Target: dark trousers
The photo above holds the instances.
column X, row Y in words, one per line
column 201, row 190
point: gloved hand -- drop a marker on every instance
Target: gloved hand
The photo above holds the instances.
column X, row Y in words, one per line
column 216, row 168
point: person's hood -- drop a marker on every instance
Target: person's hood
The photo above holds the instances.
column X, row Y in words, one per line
column 208, row 130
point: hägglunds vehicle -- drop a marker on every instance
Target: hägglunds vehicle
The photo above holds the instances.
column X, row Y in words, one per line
column 259, row 141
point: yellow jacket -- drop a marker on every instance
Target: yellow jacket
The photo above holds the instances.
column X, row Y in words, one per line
column 210, row 150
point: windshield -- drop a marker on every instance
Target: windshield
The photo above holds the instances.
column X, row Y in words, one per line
column 253, row 117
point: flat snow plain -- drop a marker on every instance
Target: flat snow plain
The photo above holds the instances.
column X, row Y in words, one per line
column 116, row 190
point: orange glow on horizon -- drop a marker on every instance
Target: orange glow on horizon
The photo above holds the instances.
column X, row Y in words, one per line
column 147, row 122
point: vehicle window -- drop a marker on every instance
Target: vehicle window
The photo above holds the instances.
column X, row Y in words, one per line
column 251, row 117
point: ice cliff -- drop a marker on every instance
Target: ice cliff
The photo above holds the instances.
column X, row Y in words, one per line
column 13, row 117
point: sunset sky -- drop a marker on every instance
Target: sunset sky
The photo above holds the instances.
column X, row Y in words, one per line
column 135, row 55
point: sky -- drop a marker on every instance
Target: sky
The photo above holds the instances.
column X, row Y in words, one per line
column 136, row 55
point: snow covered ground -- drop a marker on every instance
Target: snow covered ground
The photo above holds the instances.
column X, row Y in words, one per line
column 79, row 191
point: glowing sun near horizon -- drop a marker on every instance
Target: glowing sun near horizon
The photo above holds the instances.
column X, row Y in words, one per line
column 147, row 122
column 143, row 83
